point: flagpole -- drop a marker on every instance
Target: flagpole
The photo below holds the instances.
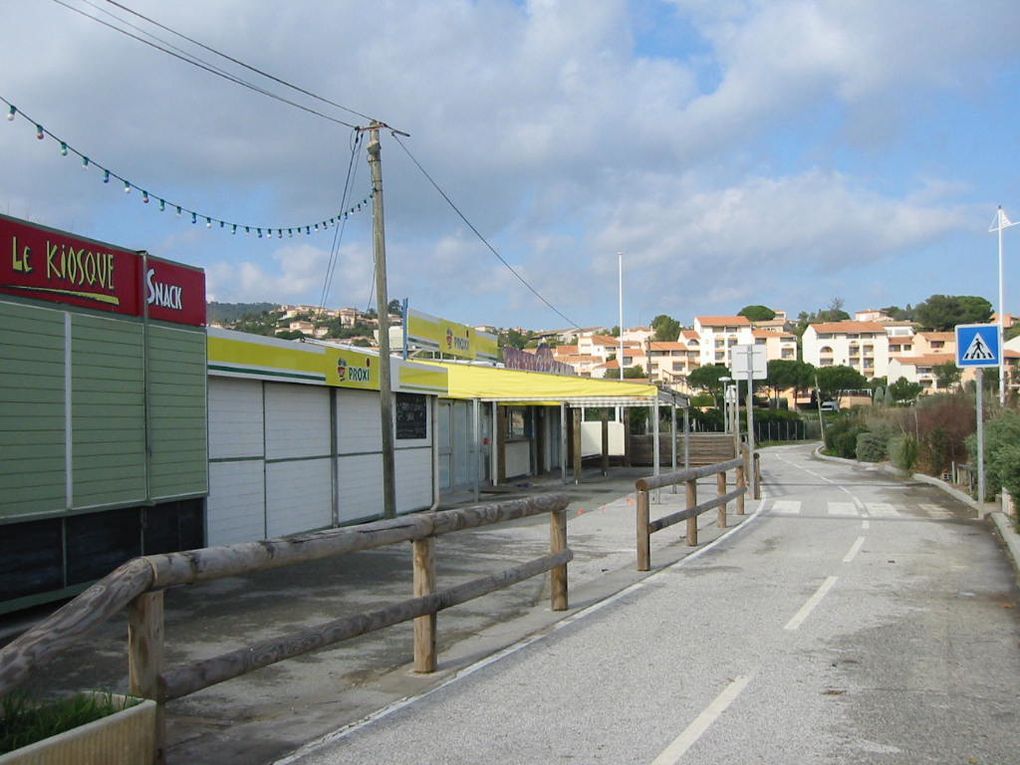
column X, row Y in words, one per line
column 1001, row 224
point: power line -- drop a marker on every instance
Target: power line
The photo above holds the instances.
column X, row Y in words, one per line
column 275, row 79
column 484, row 241
column 338, row 233
column 188, row 59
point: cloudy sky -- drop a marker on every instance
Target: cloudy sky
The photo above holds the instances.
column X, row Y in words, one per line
column 735, row 152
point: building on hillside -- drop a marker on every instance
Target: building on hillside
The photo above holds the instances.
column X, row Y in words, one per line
column 779, row 346
column 920, row 368
column 718, row 334
column 638, row 334
column 872, row 315
column 860, row 345
column 926, row 343
column 671, row 363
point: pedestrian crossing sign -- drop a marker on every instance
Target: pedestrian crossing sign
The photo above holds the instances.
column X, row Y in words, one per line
column 977, row 345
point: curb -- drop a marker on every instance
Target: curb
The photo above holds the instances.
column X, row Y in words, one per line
column 1003, row 525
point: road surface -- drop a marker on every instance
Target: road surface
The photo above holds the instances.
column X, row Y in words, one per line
column 856, row 619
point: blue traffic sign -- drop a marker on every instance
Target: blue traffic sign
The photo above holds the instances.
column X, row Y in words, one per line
column 977, row 345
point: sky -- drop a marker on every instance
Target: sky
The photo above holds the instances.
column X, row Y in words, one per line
column 785, row 153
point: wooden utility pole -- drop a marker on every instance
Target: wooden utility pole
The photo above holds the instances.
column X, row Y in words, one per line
column 382, row 309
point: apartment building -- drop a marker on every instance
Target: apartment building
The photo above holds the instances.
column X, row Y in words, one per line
column 779, row 345
column 718, row 334
column 920, row 368
column 860, row 345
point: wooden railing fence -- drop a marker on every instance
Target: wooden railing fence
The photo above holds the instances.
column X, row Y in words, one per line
column 646, row 527
column 139, row 584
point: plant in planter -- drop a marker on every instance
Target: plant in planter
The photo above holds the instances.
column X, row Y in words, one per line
column 87, row 728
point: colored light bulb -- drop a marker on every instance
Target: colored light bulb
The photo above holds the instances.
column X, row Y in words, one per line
column 11, row 113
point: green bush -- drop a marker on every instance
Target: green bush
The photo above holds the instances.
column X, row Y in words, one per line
column 24, row 720
column 703, row 399
column 903, row 452
column 871, row 447
column 841, row 436
column 1002, row 453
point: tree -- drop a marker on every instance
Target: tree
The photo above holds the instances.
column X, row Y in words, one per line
column 707, row 379
column 941, row 313
column 903, row 391
column 946, row 375
column 834, row 312
column 783, row 374
column 897, row 313
column 1012, row 332
column 396, row 307
column 833, row 382
column 667, row 329
column 757, row 312
column 635, row 372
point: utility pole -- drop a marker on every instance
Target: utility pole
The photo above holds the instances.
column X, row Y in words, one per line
column 382, row 309
column 1000, row 225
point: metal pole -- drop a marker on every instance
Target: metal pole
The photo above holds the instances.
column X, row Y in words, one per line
column 563, row 442
column 382, row 309
column 750, row 408
column 655, row 440
column 672, row 438
column 476, row 410
column 404, row 317
column 687, row 437
column 1002, row 354
column 619, row 256
column 981, row 436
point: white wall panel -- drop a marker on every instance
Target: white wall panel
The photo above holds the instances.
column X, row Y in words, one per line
column 235, row 511
column 413, row 469
column 361, row 489
column 298, row 496
column 235, row 418
column 297, row 421
column 358, row 428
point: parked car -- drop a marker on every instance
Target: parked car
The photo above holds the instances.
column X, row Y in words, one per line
column 830, row 406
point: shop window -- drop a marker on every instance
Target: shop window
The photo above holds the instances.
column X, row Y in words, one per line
column 412, row 415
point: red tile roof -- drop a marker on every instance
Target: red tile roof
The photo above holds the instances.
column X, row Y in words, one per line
column 723, row 321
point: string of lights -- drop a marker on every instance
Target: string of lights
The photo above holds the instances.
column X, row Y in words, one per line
column 163, row 204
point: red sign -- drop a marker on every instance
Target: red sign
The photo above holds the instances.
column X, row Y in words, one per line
column 174, row 292
column 41, row 263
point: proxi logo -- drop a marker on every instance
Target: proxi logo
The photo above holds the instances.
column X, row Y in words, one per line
column 454, row 343
column 347, row 373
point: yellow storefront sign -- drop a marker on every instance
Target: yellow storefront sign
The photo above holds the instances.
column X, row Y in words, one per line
column 450, row 338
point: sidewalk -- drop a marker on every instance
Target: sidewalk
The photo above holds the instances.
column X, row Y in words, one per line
column 269, row 713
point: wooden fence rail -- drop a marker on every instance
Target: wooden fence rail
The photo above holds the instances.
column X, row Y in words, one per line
column 646, row 527
column 139, row 585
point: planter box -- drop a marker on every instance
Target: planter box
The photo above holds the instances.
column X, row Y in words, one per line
column 123, row 738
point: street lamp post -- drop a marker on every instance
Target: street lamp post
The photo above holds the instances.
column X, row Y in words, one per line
column 726, row 403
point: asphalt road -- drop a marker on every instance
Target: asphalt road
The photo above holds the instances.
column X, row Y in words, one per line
column 856, row 619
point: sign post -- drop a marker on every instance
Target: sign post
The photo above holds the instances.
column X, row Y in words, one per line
column 979, row 345
column 748, row 361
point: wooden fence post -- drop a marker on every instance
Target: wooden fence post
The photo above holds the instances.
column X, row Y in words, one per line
column 757, row 475
column 424, row 583
column 741, row 484
column 145, row 659
column 557, row 544
column 720, row 484
column 644, row 536
column 692, row 523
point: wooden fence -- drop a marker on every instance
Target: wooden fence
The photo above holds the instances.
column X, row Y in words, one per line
column 139, row 584
column 705, row 449
column 646, row 527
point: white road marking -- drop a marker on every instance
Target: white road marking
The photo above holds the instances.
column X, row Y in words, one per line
column 672, row 753
column 882, row 510
column 936, row 511
column 786, row 506
column 856, row 548
column 396, row 706
column 807, row 608
column 843, row 508
column 865, row 525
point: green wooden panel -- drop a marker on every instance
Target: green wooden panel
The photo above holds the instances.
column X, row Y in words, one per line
column 107, row 411
column 177, row 412
column 32, row 446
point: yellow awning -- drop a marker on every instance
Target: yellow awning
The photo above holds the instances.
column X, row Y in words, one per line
column 512, row 386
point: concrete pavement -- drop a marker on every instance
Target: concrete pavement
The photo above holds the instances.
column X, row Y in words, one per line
column 264, row 715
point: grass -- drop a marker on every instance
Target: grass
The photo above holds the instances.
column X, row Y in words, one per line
column 24, row 720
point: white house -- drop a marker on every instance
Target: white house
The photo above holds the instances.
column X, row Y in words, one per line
column 718, row 334
column 861, row 345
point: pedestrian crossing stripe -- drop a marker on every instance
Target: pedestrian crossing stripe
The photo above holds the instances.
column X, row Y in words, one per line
column 786, row 506
column 843, row 508
column 882, row 510
column 935, row 511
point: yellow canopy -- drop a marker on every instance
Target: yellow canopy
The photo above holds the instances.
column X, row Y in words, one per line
column 509, row 386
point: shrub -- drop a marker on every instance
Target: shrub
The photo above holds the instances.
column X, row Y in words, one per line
column 24, row 720
column 1002, row 460
column 903, row 452
column 871, row 447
